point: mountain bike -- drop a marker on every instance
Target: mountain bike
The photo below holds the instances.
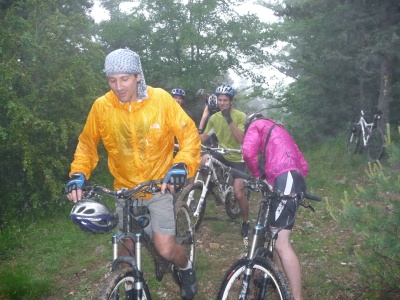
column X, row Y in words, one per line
column 369, row 134
column 256, row 276
column 128, row 282
column 217, row 182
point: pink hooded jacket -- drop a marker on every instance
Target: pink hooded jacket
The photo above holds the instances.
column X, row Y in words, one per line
column 281, row 155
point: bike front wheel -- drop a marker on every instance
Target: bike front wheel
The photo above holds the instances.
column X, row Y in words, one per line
column 184, row 230
column 375, row 145
column 120, row 285
column 191, row 196
column 265, row 282
column 184, row 236
column 232, row 205
column 353, row 141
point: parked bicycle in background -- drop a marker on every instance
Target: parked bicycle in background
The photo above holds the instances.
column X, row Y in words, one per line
column 367, row 136
column 256, row 276
column 126, row 280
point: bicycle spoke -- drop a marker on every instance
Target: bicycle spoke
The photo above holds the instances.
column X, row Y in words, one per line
column 353, row 141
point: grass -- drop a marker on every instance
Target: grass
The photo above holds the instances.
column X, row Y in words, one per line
column 53, row 259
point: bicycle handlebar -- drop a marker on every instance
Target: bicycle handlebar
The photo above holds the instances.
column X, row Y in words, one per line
column 312, row 197
column 220, row 150
column 151, row 185
column 240, row 174
column 258, row 183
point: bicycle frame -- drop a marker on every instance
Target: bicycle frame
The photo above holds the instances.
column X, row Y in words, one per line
column 132, row 225
column 223, row 187
column 255, row 274
column 366, row 128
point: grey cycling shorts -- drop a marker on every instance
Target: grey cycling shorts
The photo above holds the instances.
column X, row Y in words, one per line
column 162, row 213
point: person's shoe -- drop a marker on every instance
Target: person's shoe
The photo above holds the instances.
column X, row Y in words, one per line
column 189, row 283
column 245, row 229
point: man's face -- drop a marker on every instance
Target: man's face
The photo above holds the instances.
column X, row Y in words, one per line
column 224, row 102
column 178, row 99
column 125, row 86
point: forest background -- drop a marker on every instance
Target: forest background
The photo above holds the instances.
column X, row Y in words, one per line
column 343, row 56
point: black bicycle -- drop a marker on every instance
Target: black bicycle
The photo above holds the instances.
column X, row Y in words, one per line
column 128, row 282
column 256, row 276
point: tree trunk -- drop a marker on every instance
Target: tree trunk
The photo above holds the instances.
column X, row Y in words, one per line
column 385, row 92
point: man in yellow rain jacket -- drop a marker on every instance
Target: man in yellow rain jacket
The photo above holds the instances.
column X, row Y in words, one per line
column 137, row 124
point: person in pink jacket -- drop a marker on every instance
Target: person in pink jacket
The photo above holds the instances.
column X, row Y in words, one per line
column 284, row 168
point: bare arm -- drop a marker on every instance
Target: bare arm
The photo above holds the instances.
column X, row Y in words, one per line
column 237, row 133
column 204, row 137
column 203, row 120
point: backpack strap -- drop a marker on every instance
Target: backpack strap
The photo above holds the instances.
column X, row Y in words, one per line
column 261, row 162
column 267, row 139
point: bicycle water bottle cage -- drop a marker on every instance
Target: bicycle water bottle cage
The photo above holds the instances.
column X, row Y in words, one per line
column 136, row 211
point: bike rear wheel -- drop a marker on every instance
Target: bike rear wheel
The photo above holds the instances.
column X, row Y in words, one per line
column 266, row 282
column 375, row 145
column 191, row 196
column 353, row 141
column 119, row 285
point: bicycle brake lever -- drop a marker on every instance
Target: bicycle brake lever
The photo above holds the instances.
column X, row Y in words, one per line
column 307, row 205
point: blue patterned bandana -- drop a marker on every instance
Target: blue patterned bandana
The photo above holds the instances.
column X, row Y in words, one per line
column 125, row 61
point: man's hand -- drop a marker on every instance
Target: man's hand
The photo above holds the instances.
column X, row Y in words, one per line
column 227, row 116
column 175, row 177
column 73, row 188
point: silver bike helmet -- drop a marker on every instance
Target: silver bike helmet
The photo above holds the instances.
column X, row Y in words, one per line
column 212, row 103
column 93, row 217
column 250, row 118
column 200, row 93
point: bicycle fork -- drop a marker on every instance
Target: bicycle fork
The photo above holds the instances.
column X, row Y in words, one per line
column 256, row 249
column 133, row 290
column 201, row 200
column 259, row 283
column 203, row 192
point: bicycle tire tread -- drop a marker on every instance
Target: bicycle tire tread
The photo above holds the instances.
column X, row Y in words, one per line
column 112, row 281
column 262, row 264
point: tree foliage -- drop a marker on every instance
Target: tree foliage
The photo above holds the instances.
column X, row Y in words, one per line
column 374, row 216
column 187, row 44
column 49, row 77
column 343, row 56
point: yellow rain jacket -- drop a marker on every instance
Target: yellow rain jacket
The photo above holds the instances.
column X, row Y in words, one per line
column 139, row 138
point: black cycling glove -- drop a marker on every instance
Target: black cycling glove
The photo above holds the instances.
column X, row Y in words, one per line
column 227, row 116
column 76, row 182
column 176, row 175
